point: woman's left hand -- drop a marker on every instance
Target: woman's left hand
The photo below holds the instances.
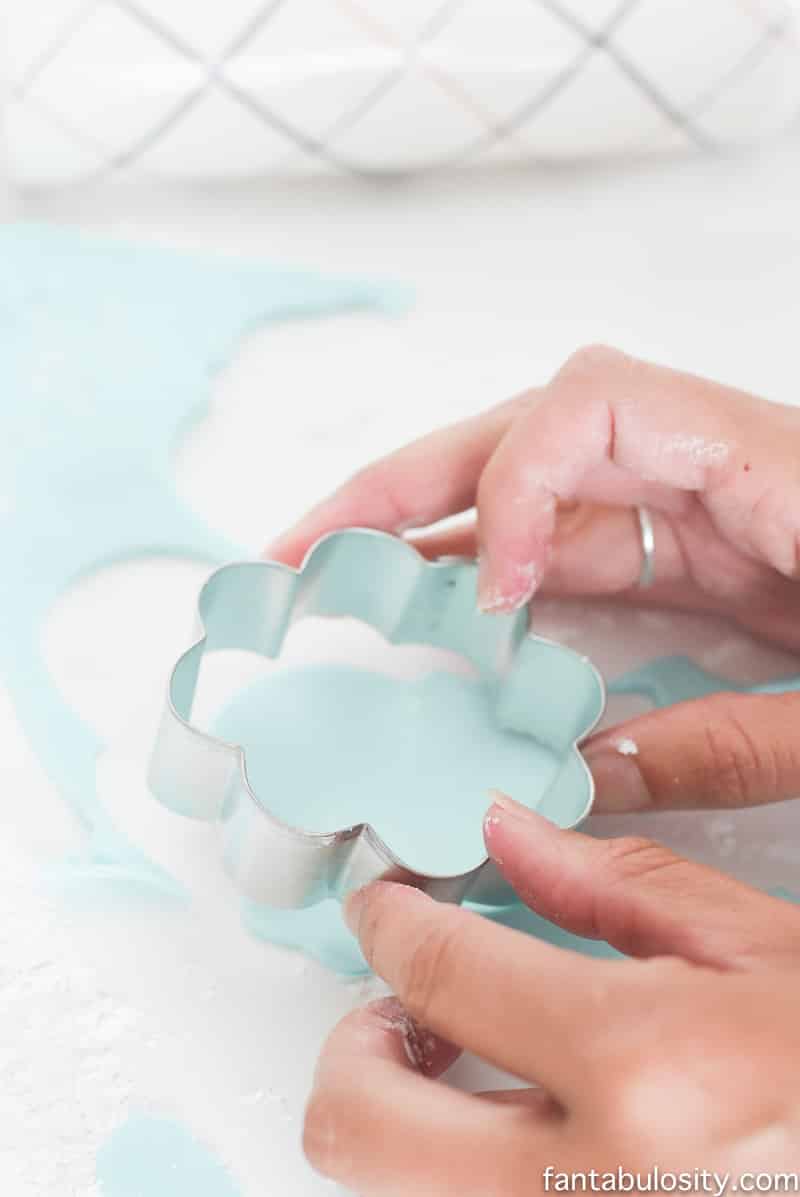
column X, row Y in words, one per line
column 555, row 477
column 687, row 1058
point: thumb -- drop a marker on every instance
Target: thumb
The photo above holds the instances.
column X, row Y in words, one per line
column 636, row 894
column 726, row 750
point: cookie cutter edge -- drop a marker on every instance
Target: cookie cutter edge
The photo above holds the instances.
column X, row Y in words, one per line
column 197, row 774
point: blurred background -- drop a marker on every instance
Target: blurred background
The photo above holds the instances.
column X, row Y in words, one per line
column 99, row 88
column 538, row 173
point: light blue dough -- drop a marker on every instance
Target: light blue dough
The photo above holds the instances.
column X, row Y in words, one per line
column 157, row 1157
column 785, row 895
column 329, row 746
column 319, row 932
column 677, row 679
column 108, row 353
column 333, row 746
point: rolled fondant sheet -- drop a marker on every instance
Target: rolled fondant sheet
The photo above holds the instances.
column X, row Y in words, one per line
column 195, row 89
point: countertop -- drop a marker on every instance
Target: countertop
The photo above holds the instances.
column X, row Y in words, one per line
column 692, row 262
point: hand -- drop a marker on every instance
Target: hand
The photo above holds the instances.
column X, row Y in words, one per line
column 687, row 1058
column 555, row 475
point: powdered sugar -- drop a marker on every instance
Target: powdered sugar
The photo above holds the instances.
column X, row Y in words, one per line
column 699, row 451
column 513, row 593
column 67, row 1039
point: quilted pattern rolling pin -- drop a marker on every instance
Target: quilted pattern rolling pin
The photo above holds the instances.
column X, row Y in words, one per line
column 188, row 89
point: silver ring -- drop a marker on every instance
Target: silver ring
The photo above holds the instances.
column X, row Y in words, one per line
column 648, row 571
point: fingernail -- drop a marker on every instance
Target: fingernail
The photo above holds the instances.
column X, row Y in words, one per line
column 619, row 783
column 418, row 1043
column 509, row 594
column 509, row 807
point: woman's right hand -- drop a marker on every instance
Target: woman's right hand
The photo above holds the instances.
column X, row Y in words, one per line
column 686, row 1057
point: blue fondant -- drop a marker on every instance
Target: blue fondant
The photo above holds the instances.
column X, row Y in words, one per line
column 108, row 353
column 311, row 744
column 157, row 1157
column 786, row 895
column 328, row 746
column 316, row 930
column 677, row 679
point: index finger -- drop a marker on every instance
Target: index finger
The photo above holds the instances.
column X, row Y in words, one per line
column 424, row 481
column 522, row 1004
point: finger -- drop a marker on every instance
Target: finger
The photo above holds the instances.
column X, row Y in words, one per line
column 384, row 1030
column 524, row 1005
column 636, row 894
column 419, row 484
column 376, row 1125
column 597, row 550
column 723, row 751
column 447, row 542
column 609, row 429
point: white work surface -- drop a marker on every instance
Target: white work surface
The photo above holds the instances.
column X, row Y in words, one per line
column 693, row 263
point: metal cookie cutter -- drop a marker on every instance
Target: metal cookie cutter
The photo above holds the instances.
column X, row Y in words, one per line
column 536, row 687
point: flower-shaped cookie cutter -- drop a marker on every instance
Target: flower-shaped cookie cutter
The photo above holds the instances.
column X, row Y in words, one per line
column 536, row 688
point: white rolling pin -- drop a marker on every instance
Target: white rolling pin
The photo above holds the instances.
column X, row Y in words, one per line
column 199, row 89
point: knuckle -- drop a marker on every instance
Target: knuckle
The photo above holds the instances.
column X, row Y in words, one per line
column 629, row 869
column 376, row 484
column 632, row 857
column 428, row 969
column 786, row 748
column 739, row 764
